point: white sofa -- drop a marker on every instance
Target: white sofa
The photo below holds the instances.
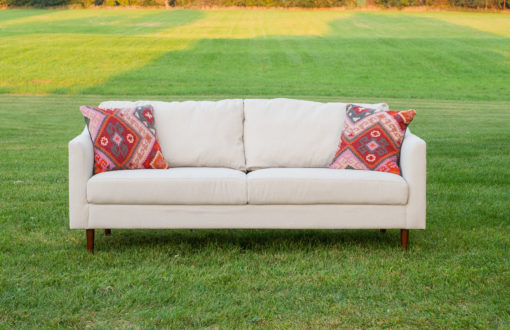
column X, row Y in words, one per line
column 247, row 164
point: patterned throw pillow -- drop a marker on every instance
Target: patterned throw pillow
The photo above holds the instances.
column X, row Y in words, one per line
column 123, row 138
column 371, row 139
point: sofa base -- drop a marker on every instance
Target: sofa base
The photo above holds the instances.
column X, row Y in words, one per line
column 326, row 216
column 90, row 233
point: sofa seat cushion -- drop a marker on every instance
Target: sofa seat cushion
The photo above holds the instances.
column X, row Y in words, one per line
column 175, row 186
column 325, row 186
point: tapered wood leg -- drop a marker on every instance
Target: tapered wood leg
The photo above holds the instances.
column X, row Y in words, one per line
column 404, row 238
column 90, row 240
column 383, row 231
column 107, row 232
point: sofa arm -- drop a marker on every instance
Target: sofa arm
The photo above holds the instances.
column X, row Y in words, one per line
column 81, row 162
column 413, row 162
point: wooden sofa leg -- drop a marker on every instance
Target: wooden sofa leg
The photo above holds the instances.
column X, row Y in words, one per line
column 107, row 232
column 90, row 240
column 404, row 238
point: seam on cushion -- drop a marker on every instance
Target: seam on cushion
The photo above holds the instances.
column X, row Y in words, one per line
column 242, row 140
column 246, row 188
column 246, row 204
column 326, row 179
column 408, row 194
column 165, row 181
column 171, row 204
column 324, row 203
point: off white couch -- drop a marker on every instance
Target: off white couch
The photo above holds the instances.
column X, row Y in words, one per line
column 247, row 164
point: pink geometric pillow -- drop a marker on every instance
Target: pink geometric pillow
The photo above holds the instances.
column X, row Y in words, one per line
column 123, row 138
column 371, row 139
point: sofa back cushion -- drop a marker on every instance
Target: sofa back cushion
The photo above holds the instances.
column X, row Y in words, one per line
column 292, row 133
column 197, row 133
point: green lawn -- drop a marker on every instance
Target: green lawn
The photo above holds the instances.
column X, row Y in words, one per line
column 257, row 52
column 453, row 68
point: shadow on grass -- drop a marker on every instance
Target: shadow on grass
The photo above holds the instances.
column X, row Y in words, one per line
column 194, row 241
column 12, row 14
column 114, row 24
column 375, row 60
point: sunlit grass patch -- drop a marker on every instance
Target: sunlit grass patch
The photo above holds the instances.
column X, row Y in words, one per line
column 239, row 24
column 76, row 61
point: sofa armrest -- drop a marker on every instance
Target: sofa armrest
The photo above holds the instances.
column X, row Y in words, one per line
column 81, row 163
column 413, row 163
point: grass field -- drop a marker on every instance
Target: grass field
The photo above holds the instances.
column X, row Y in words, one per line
column 256, row 52
column 453, row 68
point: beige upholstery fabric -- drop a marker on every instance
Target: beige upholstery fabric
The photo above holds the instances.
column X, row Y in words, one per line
column 325, row 186
column 81, row 162
column 413, row 163
column 198, row 133
column 185, row 185
column 248, row 216
column 292, row 133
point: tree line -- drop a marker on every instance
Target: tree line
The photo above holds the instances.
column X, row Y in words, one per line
column 468, row 4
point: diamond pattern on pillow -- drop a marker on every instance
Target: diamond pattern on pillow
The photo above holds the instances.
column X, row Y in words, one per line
column 371, row 139
column 123, row 138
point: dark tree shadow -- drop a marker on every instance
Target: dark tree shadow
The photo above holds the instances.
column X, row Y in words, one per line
column 127, row 24
column 371, row 62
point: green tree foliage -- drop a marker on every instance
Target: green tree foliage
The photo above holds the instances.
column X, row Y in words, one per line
column 35, row 3
column 470, row 4
column 265, row 3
